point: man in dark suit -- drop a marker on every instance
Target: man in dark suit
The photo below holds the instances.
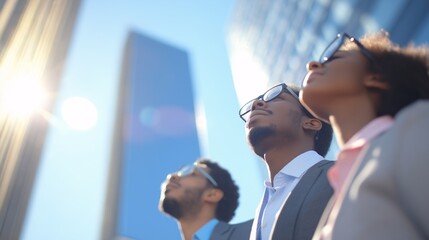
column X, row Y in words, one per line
column 293, row 144
column 202, row 197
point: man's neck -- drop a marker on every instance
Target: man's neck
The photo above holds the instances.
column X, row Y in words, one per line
column 277, row 158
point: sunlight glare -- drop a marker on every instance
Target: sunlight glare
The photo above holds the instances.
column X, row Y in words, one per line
column 23, row 96
column 79, row 113
column 249, row 74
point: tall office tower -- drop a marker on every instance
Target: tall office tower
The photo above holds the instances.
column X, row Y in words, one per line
column 156, row 134
column 34, row 38
column 271, row 41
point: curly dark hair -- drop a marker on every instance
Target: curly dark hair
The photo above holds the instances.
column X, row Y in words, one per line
column 226, row 207
column 323, row 137
column 404, row 69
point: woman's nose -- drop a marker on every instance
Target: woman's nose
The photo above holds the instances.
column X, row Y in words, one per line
column 313, row 65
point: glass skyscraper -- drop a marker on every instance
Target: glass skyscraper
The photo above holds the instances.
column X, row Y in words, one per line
column 155, row 135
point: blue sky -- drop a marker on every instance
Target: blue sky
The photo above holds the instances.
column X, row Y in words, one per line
column 67, row 202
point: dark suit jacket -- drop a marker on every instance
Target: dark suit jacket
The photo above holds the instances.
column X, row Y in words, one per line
column 301, row 213
column 225, row 231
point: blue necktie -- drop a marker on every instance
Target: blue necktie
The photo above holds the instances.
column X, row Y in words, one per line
column 261, row 213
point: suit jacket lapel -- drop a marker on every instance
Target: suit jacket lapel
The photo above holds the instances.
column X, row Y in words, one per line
column 286, row 220
column 220, row 230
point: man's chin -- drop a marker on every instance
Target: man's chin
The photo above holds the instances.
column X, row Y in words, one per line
column 171, row 207
column 252, row 122
column 257, row 134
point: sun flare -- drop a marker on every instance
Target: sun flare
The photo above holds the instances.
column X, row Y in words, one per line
column 79, row 113
column 22, row 96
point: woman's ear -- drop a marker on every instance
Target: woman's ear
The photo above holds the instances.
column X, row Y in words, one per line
column 312, row 124
column 374, row 81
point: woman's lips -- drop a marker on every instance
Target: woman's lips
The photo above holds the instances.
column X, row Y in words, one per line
column 311, row 77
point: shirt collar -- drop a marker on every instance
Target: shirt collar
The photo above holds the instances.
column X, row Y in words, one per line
column 206, row 231
column 295, row 168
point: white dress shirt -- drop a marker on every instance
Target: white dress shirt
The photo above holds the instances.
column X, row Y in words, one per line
column 279, row 190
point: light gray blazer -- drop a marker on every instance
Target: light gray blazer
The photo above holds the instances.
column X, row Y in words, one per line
column 388, row 193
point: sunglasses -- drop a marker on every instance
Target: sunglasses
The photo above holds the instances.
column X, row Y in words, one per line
column 339, row 41
column 189, row 169
column 269, row 95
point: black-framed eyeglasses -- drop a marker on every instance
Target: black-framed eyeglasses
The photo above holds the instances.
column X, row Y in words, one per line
column 269, row 95
column 336, row 44
column 189, row 169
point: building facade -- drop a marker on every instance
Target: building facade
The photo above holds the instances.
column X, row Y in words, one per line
column 34, row 39
column 155, row 135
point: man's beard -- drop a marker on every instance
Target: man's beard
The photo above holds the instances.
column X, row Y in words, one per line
column 258, row 134
column 190, row 205
column 172, row 207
